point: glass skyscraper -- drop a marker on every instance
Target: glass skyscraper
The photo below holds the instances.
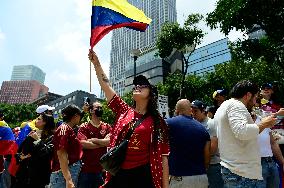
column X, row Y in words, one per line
column 203, row 59
column 124, row 40
column 28, row 72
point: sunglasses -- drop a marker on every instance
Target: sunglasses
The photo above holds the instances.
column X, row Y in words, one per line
column 139, row 87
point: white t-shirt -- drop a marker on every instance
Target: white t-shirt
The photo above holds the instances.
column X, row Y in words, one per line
column 264, row 143
column 211, row 128
column 237, row 140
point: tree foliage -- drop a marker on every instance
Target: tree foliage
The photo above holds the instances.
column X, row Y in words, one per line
column 243, row 15
column 18, row 113
column 108, row 115
column 225, row 76
column 173, row 36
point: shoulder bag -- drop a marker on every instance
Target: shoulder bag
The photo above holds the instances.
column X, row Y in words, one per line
column 112, row 160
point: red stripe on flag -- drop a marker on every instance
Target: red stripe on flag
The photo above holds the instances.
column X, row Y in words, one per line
column 100, row 31
column 13, row 167
column 8, row 147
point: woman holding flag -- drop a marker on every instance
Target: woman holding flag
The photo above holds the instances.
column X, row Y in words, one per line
column 146, row 161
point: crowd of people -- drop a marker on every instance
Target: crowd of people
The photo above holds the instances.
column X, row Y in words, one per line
column 235, row 143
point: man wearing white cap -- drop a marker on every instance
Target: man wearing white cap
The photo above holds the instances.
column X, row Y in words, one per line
column 45, row 109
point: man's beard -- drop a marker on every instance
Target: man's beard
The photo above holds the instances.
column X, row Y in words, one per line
column 250, row 105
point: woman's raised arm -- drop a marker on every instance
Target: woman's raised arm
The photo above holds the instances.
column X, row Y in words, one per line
column 102, row 78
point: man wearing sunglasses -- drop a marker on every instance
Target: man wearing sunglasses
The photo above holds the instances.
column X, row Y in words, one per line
column 94, row 137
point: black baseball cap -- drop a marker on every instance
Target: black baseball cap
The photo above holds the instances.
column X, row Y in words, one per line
column 141, row 80
column 198, row 104
column 267, row 85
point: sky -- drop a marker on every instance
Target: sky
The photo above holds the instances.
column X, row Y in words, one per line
column 54, row 36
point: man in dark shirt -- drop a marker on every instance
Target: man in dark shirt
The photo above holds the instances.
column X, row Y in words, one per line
column 189, row 149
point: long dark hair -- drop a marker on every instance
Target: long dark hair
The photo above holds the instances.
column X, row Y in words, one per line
column 49, row 126
column 160, row 127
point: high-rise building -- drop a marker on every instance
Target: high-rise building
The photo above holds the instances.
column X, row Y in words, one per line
column 28, row 72
column 21, row 91
column 125, row 40
column 204, row 58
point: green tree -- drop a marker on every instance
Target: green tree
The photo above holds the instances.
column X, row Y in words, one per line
column 108, row 115
column 195, row 88
column 173, row 36
column 259, row 71
column 242, row 15
column 18, row 113
column 171, row 88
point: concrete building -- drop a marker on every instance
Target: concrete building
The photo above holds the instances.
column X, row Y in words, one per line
column 21, row 91
column 28, row 72
column 125, row 40
column 76, row 98
column 45, row 99
column 149, row 65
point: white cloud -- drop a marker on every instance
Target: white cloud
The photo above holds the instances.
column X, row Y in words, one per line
column 83, row 10
column 64, row 48
column 185, row 7
column 72, row 43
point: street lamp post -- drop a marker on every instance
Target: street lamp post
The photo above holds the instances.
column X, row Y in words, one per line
column 135, row 54
column 134, row 69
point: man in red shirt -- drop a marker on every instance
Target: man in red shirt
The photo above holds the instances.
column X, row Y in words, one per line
column 94, row 137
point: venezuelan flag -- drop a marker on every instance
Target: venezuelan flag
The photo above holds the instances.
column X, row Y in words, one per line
column 8, row 145
column 25, row 130
column 112, row 14
column 7, row 140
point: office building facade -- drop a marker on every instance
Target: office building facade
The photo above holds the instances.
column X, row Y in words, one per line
column 45, row 99
column 149, row 65
column 75, row 98
column 125, row 40
column 203, row 59
column 21, row 91
column 28, row 72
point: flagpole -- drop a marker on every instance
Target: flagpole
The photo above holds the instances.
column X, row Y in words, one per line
column 90, row 77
